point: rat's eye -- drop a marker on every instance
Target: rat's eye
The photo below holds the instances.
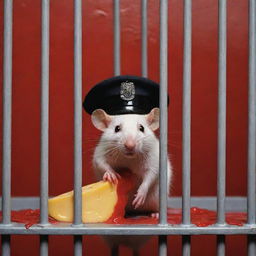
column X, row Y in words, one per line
column 141, row 128
column 117, row 128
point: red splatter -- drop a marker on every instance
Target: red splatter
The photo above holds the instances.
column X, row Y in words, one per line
column 199, row 217
column 27, row 216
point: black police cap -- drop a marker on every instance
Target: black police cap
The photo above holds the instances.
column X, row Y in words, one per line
column 123, row 95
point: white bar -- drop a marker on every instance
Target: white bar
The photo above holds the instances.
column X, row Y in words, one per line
column 44, row 158
column 44, row 113
column 78, row 245
column 7, row 112
column 186, row 137
column 117, row 57
column 44, row 245
column 78, row 250
column 162, row 245
column 186, row 245
column 6, row 248
column 251, row 211
column 78, row 112
column 7, row 123
column 221, row 245
column 221, row 184
column 163, row 110
column 144, row 37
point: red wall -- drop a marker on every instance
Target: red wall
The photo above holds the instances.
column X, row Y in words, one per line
column 98, row 64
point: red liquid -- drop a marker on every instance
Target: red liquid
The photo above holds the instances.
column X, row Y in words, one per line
column 199, row 217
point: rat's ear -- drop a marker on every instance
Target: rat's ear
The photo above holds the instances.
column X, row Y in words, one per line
column 153, row 119
column 100, row 119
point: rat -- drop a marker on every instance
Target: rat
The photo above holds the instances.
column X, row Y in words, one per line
column 128, row 143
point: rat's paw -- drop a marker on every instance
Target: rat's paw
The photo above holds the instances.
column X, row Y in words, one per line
column 111, row 177
column 155, row 215
column 140, row 198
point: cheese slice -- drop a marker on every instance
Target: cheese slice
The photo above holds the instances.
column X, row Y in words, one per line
column 98, row 203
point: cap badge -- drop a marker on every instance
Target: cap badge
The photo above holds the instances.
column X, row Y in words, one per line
column 127, row 91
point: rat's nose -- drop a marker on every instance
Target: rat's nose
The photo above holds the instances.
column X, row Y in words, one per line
column 130, row 145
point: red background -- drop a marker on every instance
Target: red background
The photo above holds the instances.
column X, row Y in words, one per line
column 98, row 65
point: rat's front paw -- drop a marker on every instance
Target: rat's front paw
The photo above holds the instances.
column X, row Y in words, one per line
column 140, row 198
column 155, row 215
column 111, row 176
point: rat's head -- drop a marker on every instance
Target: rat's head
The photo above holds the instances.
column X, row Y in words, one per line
column 129, row 134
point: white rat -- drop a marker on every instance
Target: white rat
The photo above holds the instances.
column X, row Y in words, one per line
column 128, row 142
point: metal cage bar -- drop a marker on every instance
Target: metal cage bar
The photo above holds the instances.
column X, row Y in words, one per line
column 186, row 241
column 163, row 123
column 163, row 109
column 44, row 245
column 117, row 57
column 251, row 190
column 44, row 158
column 7, row 112
column 77, row 123
column 162, row 230
column 44, row 113
column 162, row 240
column 252, row 114
column 222, row 113
column 7, row 123
column 221, row 159
column 221, row 246
column 6, row 248
column 186, row 129
column 144, row 37
column 186, row 139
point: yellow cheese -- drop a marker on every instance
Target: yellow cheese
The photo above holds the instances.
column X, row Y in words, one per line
column 98, row 203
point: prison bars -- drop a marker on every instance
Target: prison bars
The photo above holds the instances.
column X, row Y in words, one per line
column 78, row 123
column 44, row 158
column 251, row 136
column 186, row 128
column 163, row 123
column 144, row 37
column 221, row 159
column 251, row 194
column 7, row 123
column 117, row 58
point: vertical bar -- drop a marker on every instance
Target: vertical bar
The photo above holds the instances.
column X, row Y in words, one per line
column 251, row 245
column 163, row 122
column 7, row 112
column 77, row 123
column 252, row 114
column 162, row 240
column 221, row 245
column 186, row 245
column 186, row 129
column 222, row 112
column 7, row 123
column 6, row 249
column 78, row 245
column 43, row 245
column 44, row 123
column 117, row 57
column 221, row 165
column 163, row 109
column 251, row 190
column 186, row 114
column 44, row 113
column 78, row 112
column 144, row 36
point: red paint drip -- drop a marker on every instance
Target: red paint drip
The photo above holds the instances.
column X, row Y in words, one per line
column 199, row 217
